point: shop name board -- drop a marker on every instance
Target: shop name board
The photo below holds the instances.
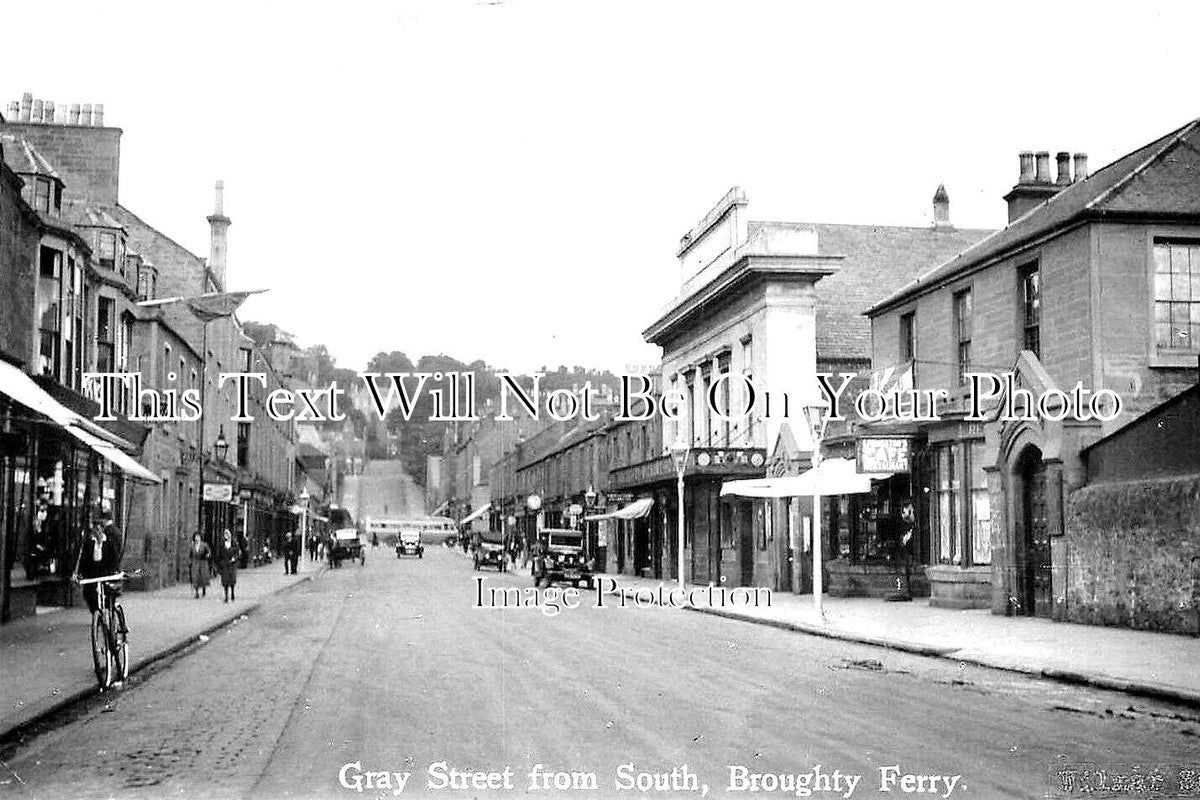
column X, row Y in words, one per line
column 883, row 454
column 218, row 492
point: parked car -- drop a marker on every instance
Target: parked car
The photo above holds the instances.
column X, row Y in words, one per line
column 489, row 551
column 409, row 544
column 562, row 558
column 347, row 545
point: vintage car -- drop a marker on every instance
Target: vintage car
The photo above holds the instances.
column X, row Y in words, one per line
column 563, row 558
column 409, row 544
column 347, row 546
column 489, row 551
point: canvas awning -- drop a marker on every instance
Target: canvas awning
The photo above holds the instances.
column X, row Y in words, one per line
column 483, row 509
column 20, row 387
column 439, row 509
column 833, row 476
column 635, row 510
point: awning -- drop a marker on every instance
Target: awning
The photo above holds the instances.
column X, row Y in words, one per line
column 483, row 509
column 635, row 510
column 20, row 387
column 832, row 476
column 119, row 458
column 439, row 509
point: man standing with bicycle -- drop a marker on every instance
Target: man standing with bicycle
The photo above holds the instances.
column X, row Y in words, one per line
column 97, row 557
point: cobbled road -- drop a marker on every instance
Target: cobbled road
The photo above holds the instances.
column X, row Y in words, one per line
column 389, row 666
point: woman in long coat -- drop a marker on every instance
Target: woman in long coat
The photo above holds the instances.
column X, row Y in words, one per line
column 228, row 554
column 199, row 556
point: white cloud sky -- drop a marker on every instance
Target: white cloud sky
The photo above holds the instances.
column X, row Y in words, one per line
column 508, row 181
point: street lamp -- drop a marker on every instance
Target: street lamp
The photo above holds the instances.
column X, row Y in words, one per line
column 817, row 416
column 679, row 455
column 221, row 446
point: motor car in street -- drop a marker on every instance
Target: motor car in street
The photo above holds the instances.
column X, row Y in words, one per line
column 489, row 552
column 562, row 559
column 409, row 544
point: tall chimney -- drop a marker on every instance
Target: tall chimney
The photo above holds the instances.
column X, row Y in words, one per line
column 1026, row 157
column 218, row 242
column 1043, row 167
column 1064, row 168
column 1081, row 166
column 941, row 208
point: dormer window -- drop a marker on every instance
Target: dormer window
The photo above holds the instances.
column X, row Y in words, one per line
column 107, row 250
column 41, row 194
column 146, row 283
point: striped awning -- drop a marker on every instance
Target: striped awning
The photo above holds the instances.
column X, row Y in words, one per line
column 479, row 512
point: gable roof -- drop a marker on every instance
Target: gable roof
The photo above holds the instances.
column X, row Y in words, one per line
column 1158, row 179
column 876, row 261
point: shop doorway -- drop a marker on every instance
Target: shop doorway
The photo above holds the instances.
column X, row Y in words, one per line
column 1035, row 572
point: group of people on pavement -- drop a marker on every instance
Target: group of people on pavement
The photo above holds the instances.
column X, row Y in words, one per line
column 204, row 561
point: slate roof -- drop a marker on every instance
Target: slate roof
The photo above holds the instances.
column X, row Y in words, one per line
column 23, row 158
column 878, row 260
column 1161, row 179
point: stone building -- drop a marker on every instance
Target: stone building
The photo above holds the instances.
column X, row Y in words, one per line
column 1095, row 282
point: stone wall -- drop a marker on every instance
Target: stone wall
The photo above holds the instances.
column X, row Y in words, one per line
column 1134, row 555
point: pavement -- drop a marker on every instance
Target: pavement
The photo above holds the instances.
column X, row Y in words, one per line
column 1144, row 663
column 46, row 659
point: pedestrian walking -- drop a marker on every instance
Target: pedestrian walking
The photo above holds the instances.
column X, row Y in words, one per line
column 228, row 556
column 199, row 557
column 291, row 553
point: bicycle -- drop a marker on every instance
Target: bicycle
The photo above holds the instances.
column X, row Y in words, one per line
column 110, row 636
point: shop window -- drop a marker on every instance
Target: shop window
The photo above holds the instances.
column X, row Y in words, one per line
column 1177, row 295
column 980, row 510
column 962, row 333
column 946, row 503
column 1031, row 309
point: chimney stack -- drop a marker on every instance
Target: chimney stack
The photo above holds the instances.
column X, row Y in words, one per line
column 941, row 208
column 1081, row 172
column 1064, row 168
column 1043, row 167
column 1034, row 186
column 218, row 242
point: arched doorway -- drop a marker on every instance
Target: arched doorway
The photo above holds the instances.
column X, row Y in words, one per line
column 1035, row 588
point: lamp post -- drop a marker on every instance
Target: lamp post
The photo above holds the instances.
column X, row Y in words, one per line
column 679, row 455
column 589, row 500
column 817, row 416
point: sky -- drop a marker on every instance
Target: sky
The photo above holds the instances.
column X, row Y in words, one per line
column 509, row 181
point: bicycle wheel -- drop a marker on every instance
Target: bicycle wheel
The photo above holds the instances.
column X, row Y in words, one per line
column 120, row 649
column 101, row 661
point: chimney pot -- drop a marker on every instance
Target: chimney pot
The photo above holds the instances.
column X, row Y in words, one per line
column 1043, row 167
column 1064, row 168
column 14, row 110
column 26, row 106
column 73, row 114
column 98, row 115
column 37, row 111
column 1026, row 158
column 219, row 208
column 1081, row 169
column 85, row 115
column 48, row 111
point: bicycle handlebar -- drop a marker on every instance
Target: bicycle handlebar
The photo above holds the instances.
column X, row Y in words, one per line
column 116, row 577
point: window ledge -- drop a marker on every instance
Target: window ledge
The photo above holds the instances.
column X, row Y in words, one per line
column 1175, row 359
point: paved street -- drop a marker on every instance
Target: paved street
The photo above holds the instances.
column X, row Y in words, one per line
column 390, row 666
